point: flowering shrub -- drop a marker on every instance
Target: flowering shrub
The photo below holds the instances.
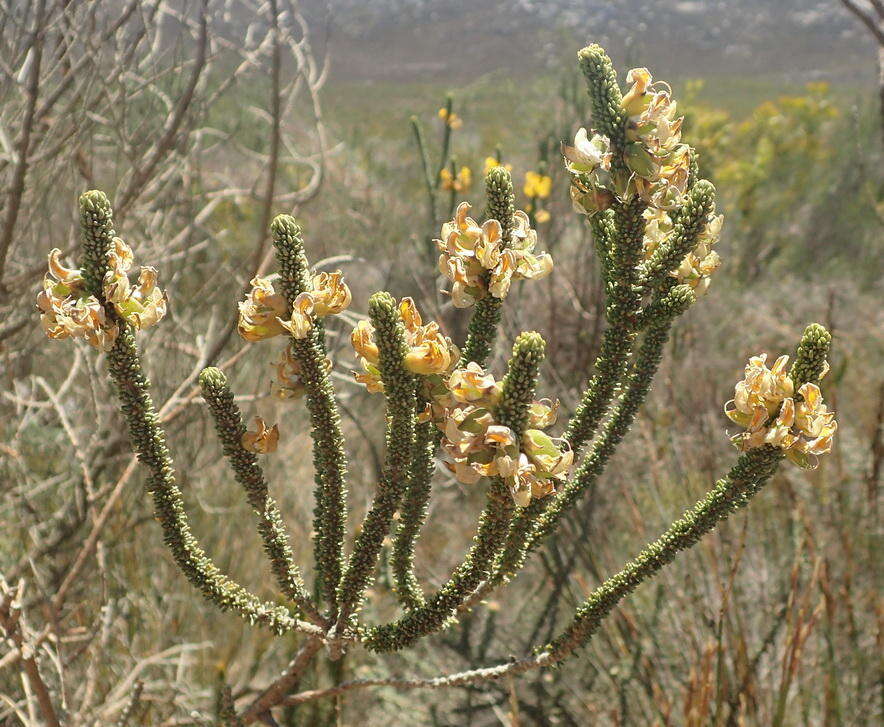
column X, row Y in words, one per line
column 654, row 228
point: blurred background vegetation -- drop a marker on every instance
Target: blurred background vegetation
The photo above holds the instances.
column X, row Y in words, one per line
column 773, row 620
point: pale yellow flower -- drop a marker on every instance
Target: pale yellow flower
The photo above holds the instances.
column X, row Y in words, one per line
column 288, row 383
column 472, row 255
column 362, row 339
column 300, row 322
column 263, row 440
column 68, row 312
column 471, row 385
column 330, row 294
column 370, row 377
column 551, row 458
column 143, row 304
column 475, row 445
column 765, row 407
column 543, row 414
column 586, row 200
column 264, row 313
column 658, row 225
column 260, row 313
column 760, row 387
column 429, row 352
column 587, row 154
column 542, row 216
column 696, row 271
column 634, row 101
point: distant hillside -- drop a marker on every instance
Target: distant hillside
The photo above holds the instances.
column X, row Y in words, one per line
column 413, row 40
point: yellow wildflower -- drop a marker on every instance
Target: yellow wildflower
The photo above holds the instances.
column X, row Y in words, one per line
column 491, row 163
column 542, row 216
column 450, row 118
column 537, row 185
column 460, row 183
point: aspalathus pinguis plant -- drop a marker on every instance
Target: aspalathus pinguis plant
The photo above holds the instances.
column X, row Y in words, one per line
column 654, row 225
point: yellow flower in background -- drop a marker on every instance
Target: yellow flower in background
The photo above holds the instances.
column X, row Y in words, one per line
column 262, row 440
column 466, row 179
column 450, row 118
column 542, row 216
column 537, row 185
column 460, row 183
column 491, row 163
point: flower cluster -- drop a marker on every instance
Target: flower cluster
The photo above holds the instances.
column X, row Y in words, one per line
column 766, row 405
column 477, row 446
column 697, row 267
column 477, row 262
column 68, row 311
column 655, row 164
column 143, row 304
column 654, row 151
column 264, row 313
column 460, row 182
column 430, row 352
